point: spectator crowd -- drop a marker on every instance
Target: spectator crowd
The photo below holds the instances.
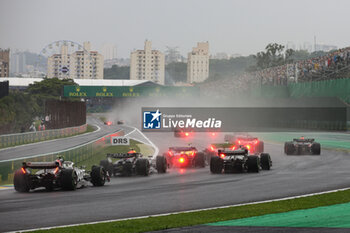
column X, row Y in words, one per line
column 318, row 68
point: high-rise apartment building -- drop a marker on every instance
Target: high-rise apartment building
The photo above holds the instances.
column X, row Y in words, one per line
column 198, row 63
column 18, row 63
column 4, row 62
column 109, row 51
column 84, row 64
column 147, row 64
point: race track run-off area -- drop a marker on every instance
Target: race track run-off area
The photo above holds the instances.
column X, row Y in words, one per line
column 177, row 190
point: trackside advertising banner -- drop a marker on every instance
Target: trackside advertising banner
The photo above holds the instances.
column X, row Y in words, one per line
column 165, row 119
column 129, row 91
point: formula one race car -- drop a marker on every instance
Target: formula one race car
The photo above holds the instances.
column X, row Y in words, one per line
column 120, row 122
column 108, row 123
column 131, row 163
column 184, row 157
column 213, row 148
column 58, row 174
column 253, row 144
column 239, row 160
column 302, row 146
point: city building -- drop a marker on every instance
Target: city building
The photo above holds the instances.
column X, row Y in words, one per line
column 84, row 64
column 147, row 64
column 290, row 45
column 220, row 56
column 109, row 51
column 173, row 55
column 198, row 63
column 307, row 46
column 18, row 63
column 117, row 61
column 4, row 62
column 325, row 47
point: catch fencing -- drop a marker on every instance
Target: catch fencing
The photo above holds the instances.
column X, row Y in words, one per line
column 77, row 154
column 9, row 140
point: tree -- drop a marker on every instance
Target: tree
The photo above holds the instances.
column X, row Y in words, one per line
column 274, row 55
column 19, row 108
column 117, row 72
column 48, row 89
column 175, row 72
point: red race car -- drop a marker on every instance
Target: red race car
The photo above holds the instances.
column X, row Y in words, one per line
column 253, row 144
column 184, row 157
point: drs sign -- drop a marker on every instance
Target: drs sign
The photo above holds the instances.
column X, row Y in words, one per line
column 116, row 141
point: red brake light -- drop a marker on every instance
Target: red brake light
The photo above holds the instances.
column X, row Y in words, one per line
column 170, row 153
column 187, row 134
column 248, row 147
column 256, row 141
column 233, row 148
column 181, row 160
column 239, row 142
column 222, row 156
column 212, row 148
column 23, row 170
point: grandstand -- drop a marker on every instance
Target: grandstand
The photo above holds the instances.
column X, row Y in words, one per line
column 333, row 65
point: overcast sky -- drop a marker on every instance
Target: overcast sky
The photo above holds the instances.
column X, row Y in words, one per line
column 230, row 26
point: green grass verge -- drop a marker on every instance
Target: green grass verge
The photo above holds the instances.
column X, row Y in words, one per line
column 209, row 216
column 103, row 118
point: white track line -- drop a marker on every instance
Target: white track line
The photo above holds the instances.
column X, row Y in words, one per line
column 181, row 212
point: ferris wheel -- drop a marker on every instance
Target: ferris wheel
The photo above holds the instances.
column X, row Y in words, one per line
column 66, row 67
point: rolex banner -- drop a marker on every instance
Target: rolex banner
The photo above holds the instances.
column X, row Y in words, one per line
column 129, row 91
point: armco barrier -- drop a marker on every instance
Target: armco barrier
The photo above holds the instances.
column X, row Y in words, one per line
column 76, row 154
column 24, row 138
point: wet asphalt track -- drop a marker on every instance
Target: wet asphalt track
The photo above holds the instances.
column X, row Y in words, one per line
column 178, row 190
column 59, row 144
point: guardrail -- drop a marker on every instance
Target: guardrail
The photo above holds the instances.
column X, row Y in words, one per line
column 76, row 155
column 9, row 140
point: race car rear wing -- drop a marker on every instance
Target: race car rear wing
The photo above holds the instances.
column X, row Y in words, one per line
column 41, row 165
column 233, row 152
column 310, row 140
column 246, row 138
column 122, row 155
column 188, row 148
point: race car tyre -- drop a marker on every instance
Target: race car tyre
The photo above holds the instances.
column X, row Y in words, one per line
column 21, row 182
column 289, row 148
column 316, row 148
column 69, row 179
column 199, row 160
column 127, row 169
column 265, row 161
column 161, row 164
column 98, row 176
column 216, row 165
column 108, row 166
column 168, row 159
column 253, row 163
column 260, row 147
column 142, row 167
